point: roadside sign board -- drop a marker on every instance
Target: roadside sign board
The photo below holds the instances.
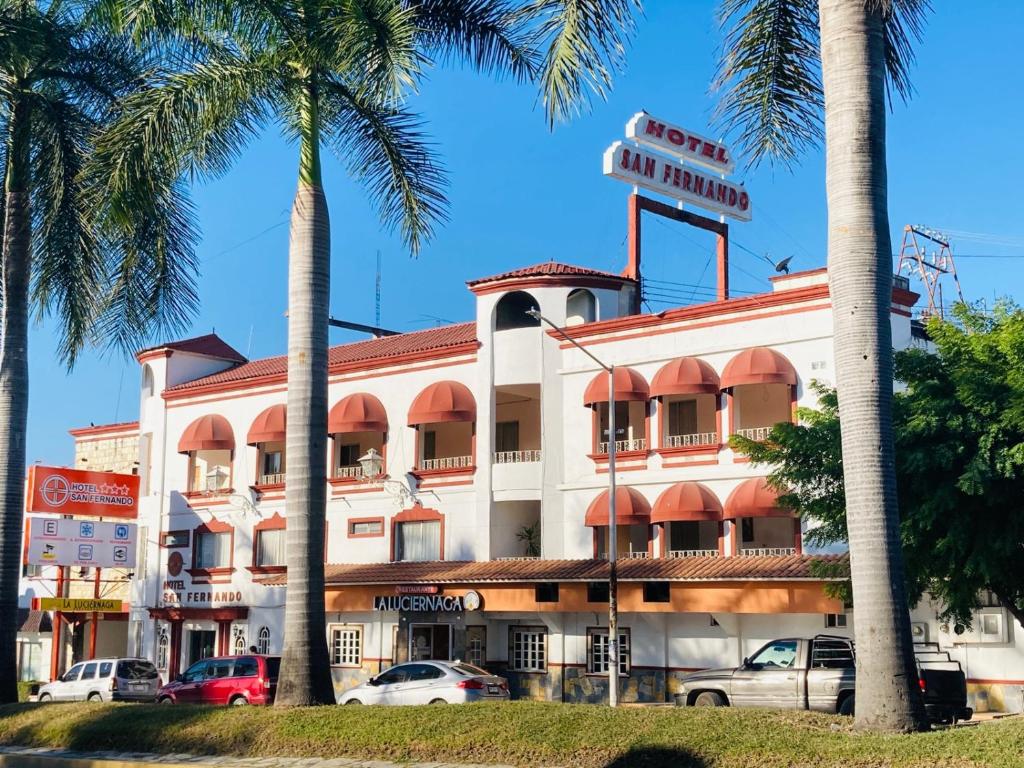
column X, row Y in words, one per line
column 667, row 176
column 80, row 604
column 86, row 543
column 64, row 491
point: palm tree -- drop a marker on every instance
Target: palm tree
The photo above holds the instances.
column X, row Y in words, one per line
column 67, row 251
column 774, row 93
column 337, row 73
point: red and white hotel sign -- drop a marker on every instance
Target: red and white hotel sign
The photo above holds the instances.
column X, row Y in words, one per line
column 667, row 176
column 658, row 134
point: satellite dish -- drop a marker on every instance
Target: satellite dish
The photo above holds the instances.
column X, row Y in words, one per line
column 783, row 266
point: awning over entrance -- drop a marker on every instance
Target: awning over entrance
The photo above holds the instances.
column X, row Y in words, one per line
column 358, row 412
column 755, row 498
column 199, row 614
column 687, row 501
column 269, row 426
column 629, row 386
column 631, row 508
column 758, row 365
column 443, row 401
column 685, row 376
column 207, row 433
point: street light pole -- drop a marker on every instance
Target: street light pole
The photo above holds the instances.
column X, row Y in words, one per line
column 613, row 572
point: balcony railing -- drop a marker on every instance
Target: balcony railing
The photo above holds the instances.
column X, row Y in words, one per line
column 448, row 462
column 274, row 478
column 516, row 457
column 637, row 555
column 768, row 552
column 353, row 472
column 621, row 446
column 674, row 553
column 755, row 433
column 518, row 557
column 689, row 441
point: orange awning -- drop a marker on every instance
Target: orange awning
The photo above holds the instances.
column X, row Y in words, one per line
column 443, row 401
column 631, row 508
column 207, row 433
column 359, row 412
column 758, row 365
column 629, row 386
column 686, row 501
column 755, row 498
column 269, row 426
column 685, row 376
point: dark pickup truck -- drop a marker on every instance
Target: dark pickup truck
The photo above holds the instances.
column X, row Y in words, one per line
column 819, row 674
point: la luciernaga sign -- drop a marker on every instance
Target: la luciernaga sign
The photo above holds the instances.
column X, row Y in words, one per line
column 437, row 603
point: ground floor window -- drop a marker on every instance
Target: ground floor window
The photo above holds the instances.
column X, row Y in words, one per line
column 597, row 651
column 263, row 641
column 528, row 649
column 163, row 649
column 346, row 645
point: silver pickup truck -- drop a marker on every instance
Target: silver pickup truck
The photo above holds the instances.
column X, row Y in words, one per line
column 790, row 673
column 819, row 674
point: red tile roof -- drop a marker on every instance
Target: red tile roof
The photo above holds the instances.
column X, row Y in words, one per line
column 784, row 568
column 384, row 349
column 210, row 345
column 548, row 269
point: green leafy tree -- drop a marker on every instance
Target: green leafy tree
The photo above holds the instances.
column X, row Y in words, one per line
column 337, row 73
column 959, row 427
column 105, row 271
column 794, row 72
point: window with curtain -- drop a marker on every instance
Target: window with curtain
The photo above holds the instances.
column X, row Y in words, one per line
column 506, row 436
column 213, row 550
column 348, row 455
column 418, row 541
column 270, row 547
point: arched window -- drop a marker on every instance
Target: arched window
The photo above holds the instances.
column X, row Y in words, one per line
column 263, row 641
column 163, row 644
column 239, row 641
column 148, row 385
column 580, row 307
column 511, row 311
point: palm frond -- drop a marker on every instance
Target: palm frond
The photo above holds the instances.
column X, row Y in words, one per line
column 585, row 43
column 373, row 44
column 904, row 25
column 491, row 35
column 770, row 78
column 69, row 273
column 386, row 149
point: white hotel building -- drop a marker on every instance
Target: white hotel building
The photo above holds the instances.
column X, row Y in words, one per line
column 494, row 444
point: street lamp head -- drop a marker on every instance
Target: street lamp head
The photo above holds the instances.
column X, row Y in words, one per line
column 372, row 463
column 534, row 313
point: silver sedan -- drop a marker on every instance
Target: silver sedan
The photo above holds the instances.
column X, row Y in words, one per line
column 429, row 682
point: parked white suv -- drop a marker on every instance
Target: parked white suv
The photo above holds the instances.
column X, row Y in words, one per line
column 105, row 680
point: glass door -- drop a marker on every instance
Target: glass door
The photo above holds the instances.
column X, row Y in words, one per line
column 200, row 644
column 430, row 641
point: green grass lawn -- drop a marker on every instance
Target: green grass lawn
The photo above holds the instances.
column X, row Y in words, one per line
column 518, row 733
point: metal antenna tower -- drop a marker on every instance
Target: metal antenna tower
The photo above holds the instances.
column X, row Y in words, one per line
column 926, row 265
column 377, row 316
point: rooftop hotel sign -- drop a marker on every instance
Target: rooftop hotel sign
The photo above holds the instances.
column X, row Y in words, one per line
column 65, row 491
column 675, row 176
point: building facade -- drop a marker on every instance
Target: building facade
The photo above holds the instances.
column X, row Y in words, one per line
column 467, row 511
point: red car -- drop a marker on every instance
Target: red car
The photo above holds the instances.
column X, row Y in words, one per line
column 234, row 680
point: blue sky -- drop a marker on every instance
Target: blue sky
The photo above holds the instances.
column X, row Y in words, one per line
column 521, row 194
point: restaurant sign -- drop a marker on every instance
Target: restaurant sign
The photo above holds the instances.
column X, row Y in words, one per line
column 438, row 603
column 80, row 604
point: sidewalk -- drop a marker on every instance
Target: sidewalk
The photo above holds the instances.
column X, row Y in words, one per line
column 31, row 757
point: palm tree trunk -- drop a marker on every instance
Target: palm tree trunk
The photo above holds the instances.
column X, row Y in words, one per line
column 305, row 677
column 860, row 278
column 17, row 260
